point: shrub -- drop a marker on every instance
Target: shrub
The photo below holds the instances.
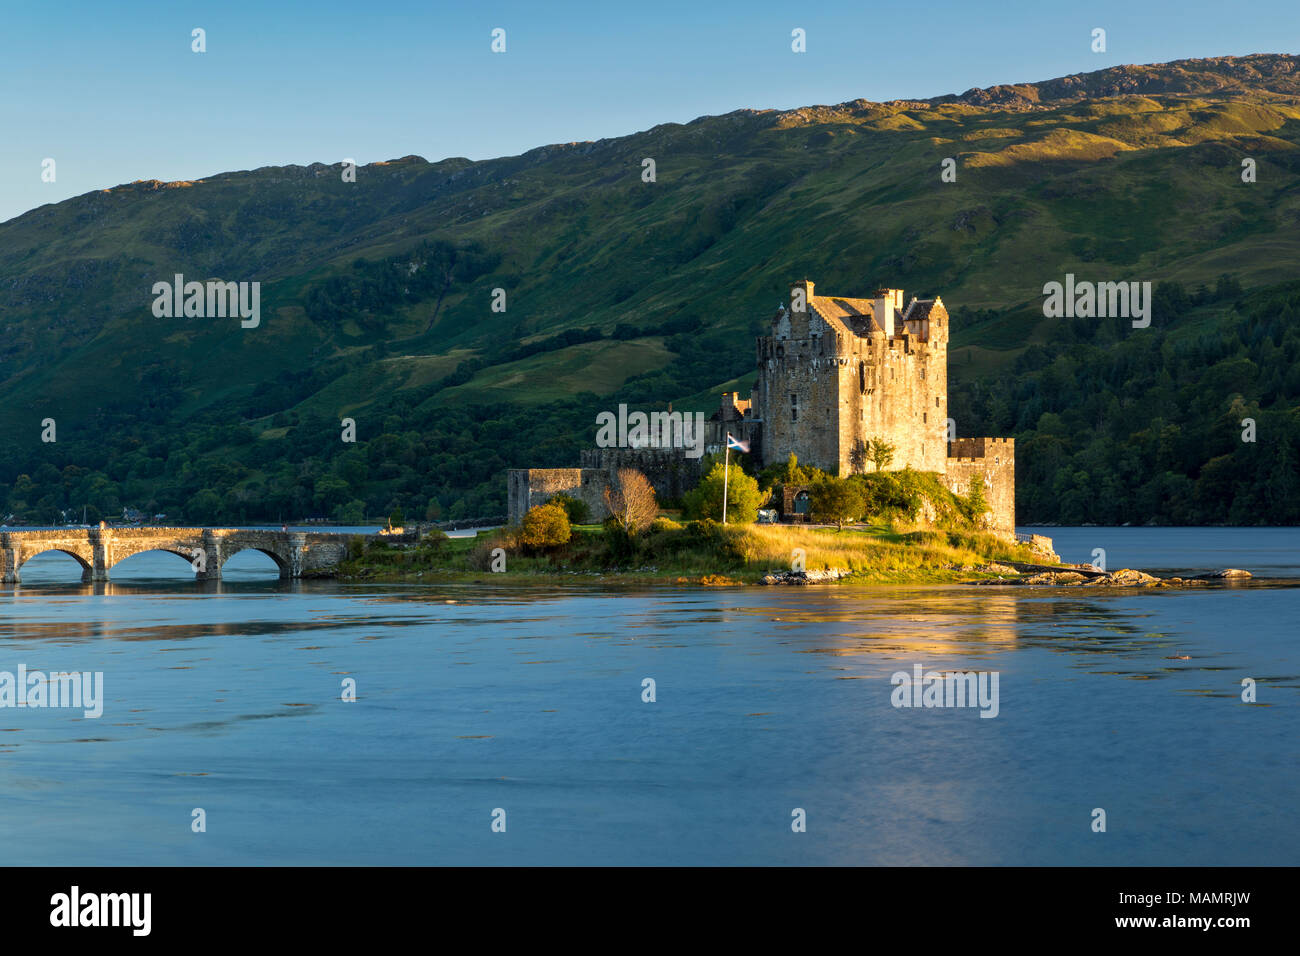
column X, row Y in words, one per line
column 435, row 539
column 480, row 556
column 903, row 494
column 546, row 526
column 721, row 542
column 665, row 524
column 577, row 509
column 790, row 473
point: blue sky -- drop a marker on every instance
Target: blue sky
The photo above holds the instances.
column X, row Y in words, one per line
column 112, row 91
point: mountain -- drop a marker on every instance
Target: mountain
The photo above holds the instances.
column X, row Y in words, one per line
column 377, row 301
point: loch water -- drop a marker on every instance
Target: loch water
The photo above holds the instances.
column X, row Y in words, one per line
column 226, row 697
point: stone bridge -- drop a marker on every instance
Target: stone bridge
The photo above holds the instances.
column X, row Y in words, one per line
column 97, row 550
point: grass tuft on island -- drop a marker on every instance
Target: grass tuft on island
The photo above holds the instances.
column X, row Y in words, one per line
column 697, row 552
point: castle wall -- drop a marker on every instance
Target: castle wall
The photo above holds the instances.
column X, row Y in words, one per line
column 529, row 487
column 668, row 469
column 994, row 459
column 895, row 390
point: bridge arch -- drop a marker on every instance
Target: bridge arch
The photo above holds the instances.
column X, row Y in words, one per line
column 86, row 559
column 282, row 564
column 118, row 556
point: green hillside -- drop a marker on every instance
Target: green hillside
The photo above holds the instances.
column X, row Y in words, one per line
column 377, row 301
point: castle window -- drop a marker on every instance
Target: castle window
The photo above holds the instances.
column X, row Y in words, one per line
column 794, row 407
column 925, row 418
column 923, row 375
column 936, row 401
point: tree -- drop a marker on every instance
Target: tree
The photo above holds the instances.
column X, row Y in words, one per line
column 793, row 474
column 631, row 502
column 546, row 526
column 880, row 453
column 836, row 501
column 398, row 518
column 353, row 513
column 743, row 496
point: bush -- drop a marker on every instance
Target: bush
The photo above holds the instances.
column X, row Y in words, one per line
column 480, row 557
column 704, row 501
column 722, row 542
column 665, row 524
column 903, row 494
column 546, row 526
column 790, row 473
column 577, row 510
column 435, row 539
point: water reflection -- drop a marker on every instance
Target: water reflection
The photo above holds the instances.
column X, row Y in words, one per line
column 480, row 694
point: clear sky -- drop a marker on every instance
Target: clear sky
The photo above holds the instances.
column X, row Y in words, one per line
column 111, row 90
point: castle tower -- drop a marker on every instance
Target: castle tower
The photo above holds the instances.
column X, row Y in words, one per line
column 838, row 372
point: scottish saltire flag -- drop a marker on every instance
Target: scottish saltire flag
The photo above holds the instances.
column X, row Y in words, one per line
column 736, row 443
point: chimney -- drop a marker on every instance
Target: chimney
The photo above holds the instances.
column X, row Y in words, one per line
column 884, row 304
column 807, row 286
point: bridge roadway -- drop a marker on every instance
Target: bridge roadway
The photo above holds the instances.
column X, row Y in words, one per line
column 97, row 550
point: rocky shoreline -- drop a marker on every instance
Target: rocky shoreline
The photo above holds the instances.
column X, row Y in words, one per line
column 1123, row 578
column 1032, row 576
column 797, row 578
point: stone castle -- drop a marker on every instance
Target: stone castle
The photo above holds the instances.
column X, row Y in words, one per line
column 834, row 374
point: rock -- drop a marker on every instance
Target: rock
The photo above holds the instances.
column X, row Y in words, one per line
column 1127, row 577
column 1232, row 573
column 1067, row 578
column 805, row 577
column 996, row 568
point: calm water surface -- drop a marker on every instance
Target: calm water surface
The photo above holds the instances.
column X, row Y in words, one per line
column 226, row 696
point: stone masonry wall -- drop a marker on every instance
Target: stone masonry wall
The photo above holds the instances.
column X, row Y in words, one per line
column 668, row 469
column 529, row 487
column 995, row 460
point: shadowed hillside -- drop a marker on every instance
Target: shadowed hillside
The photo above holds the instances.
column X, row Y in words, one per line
column 376, row 301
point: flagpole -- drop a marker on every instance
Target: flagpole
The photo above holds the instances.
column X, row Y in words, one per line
column 726, row 474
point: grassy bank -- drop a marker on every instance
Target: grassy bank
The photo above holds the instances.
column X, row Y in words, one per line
column 696, row 552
